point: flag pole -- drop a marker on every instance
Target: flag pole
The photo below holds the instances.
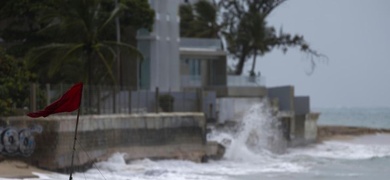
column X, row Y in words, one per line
column 74, row 144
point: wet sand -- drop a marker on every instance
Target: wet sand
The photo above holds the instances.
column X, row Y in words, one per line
column 18, row 170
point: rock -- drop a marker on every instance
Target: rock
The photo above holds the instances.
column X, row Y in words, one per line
column 327, row 132
column 214, row 150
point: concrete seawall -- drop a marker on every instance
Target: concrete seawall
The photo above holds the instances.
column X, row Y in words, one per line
column 156, row 136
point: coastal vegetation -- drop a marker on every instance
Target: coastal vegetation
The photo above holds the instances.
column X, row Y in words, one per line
column 57, row 41
column 70, row 41
column 14, row 80
column 243, row 27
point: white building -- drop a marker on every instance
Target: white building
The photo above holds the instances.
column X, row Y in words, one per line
column 173, row 63
column 160, row 67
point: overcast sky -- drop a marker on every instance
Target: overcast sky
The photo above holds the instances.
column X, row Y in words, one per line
column 354, row 34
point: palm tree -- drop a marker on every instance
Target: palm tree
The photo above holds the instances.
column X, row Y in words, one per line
column 84, row 48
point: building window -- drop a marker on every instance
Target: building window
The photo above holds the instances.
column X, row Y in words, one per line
column 194, row 65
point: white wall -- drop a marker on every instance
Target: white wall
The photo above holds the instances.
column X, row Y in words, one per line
column 311, row 127
column 164, row 46
column 232, row 109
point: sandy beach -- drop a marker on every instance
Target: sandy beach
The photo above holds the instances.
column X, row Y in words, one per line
column 14, row 169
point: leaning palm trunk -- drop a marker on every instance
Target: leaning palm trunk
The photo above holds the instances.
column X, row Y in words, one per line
column 252, row 72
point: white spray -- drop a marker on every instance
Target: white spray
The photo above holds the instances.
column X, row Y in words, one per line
column 257, row 134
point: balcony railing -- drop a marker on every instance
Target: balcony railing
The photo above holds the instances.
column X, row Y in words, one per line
column 214, row 44
column 232, row 81
column 245, row 81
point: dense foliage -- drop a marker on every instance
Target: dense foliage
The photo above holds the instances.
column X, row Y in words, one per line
column 69, row 40
column 65, row 41
column 14, row 81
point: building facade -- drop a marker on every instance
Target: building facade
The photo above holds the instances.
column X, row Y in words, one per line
column 160, row 48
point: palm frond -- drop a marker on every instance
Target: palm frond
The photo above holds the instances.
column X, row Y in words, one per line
column 114, row 13
column 40, row 55
column 129, row 48
column 108, row 67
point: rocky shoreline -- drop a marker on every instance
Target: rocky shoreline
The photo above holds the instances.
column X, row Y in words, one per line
column 332, row 132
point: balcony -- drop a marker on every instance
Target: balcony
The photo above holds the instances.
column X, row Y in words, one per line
column 232, row 81
column 245, row 81
column 198, row 43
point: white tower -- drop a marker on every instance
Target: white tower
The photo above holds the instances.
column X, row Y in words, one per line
column 160, row 48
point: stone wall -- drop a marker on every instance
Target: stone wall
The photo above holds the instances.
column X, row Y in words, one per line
column 155, row 136
column 311, row 129
column 305, row 129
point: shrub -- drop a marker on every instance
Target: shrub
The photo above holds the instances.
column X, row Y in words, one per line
column 166, row 102
column 14, row 81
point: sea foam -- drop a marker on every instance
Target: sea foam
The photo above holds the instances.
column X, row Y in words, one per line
column 344, row 150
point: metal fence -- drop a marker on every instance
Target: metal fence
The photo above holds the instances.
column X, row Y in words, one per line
column 115, row 100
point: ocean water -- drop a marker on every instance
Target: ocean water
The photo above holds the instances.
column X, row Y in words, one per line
column 251, row 154
column 360, row 117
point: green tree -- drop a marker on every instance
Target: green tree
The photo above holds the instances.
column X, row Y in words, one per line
column 243, row 26
column 187, row 16
column 14, row 80
column 85, row 38
column 200, row 20
column 249, row 34
column 85, row 48
column 19, row 24
column 68, row 33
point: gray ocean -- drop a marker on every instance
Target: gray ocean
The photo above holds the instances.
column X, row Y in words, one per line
column 362, row 158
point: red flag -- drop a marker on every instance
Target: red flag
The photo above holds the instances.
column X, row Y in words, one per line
column 69, row 102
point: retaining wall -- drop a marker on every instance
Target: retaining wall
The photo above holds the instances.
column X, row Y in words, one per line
column 155, row 136
column 305, row 129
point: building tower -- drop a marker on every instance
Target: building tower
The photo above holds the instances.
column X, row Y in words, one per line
column 160, row 48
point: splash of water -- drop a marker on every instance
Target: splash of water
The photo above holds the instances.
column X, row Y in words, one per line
column 257, row 134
